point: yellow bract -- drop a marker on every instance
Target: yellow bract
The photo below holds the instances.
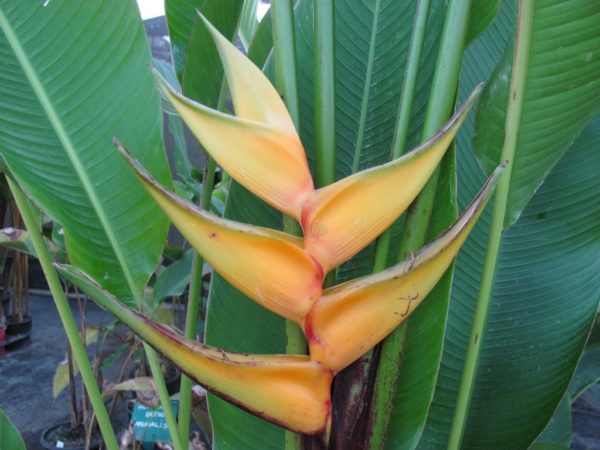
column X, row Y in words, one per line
column 266, row 160
column 349, row 214
column 286, row 389
column 254, row 97
column 351, row 318
column 268, row 266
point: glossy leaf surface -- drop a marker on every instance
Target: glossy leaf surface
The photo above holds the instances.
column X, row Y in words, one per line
column 9, row 435
column 562, row 93
column 57, row 121
column 545, row 296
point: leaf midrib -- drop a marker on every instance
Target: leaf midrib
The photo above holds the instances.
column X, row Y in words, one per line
column 65, row 140
column 366, row 89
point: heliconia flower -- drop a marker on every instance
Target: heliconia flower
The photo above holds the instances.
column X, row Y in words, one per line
column 353, row 317
column 260, row 148
column 268, row 266
column 289, row 390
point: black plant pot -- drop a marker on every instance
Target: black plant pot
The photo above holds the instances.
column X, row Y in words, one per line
column 70, row 439
column 14, row 326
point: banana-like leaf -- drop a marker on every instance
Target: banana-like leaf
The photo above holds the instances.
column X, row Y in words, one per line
column 546, row 291
column 347, row 215
column 289, row 390
column 562, row 94
column 269, row 266
column 353, row 317
column 57, row 121
column 248, row 22
column 481, row 16
column 268, row 161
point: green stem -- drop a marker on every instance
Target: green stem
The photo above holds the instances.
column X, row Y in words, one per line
column 193, row 306
column 195, row 292
column 324, row 92
column 284, row 47
column 163, row 395
column 440, row 107
column 441, row 103
column 388, row 370
column 404, row 113
column 66, row 317
column 513, row 118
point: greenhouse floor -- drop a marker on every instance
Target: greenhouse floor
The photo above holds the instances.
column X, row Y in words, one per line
column 27, row 371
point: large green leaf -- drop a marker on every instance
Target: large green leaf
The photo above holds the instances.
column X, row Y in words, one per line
column 70, row 80
column 562, row 93
column 9, row 436
column 546, row 291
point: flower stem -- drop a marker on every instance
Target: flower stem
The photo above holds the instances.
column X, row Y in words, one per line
column 193, row 305
column 66, row 317
column 324, row 92
column 513, row 118
column 441, row 103
column 387, row 374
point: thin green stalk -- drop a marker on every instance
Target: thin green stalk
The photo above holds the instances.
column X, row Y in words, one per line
column 404, row 113
column 513, row 119
column 284, row 47
column 286, row 80
column 441, row 103
column 66, row 317
column 195, row 291
column 324, row 92
column 163, row 395
column 440, row 107
column 387, row 373
column 193, row 306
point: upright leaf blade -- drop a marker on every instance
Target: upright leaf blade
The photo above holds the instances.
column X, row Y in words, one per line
column 535, row 319
column 562, row 95
column 57, row 123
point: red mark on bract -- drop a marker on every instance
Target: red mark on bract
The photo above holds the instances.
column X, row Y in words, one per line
column 309, row 331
